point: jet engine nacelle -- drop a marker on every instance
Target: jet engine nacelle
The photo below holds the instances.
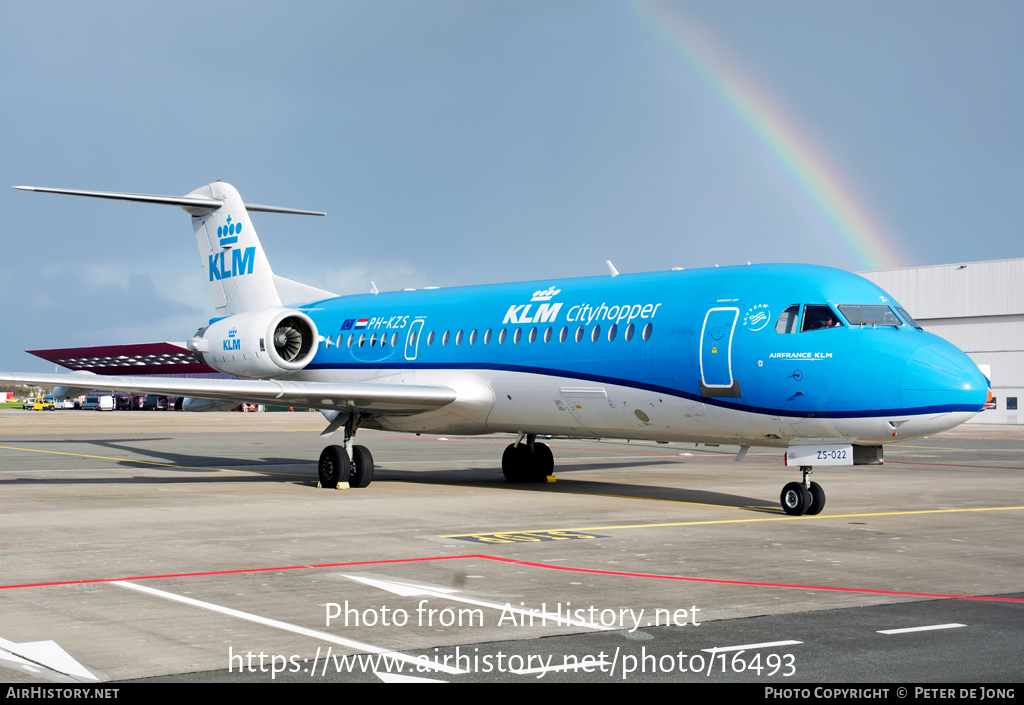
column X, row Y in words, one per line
column 62, row 392
column 191, row 404
column 258, row 344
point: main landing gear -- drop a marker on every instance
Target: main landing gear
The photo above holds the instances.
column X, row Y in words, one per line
column 528, row 462
column 804, row 497
column 348, row 465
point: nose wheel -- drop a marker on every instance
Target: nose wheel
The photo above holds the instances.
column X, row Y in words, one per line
column 804, row 497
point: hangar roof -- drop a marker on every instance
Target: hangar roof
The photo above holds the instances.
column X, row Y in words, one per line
column 967, row 289
column 139, row 359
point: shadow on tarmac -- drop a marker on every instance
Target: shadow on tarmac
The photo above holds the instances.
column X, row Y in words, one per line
column 304, row 473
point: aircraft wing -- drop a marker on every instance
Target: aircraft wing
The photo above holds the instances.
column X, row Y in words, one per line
column 363, row 397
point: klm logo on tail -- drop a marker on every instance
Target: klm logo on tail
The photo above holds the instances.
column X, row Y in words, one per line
column 241, row 260
column 241, row 263
column 228, row 233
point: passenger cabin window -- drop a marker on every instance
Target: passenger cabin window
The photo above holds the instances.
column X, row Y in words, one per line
column 870, row 316
column 819, row 318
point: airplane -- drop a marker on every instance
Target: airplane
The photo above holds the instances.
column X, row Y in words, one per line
column 810, row 359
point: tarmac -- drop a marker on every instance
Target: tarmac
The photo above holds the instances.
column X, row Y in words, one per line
column 164, row 546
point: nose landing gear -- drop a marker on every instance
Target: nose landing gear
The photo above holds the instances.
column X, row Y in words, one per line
column 804, row 497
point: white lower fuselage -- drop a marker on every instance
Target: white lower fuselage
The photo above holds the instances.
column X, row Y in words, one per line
column 495, row 401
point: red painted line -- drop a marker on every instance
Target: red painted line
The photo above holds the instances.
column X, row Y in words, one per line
column 751, row 583
column 478, row 556
column 232, row 572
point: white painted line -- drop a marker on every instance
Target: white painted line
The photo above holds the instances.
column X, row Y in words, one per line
column 19, row 661
column 322, row 636
column 50, row 655
column 411, row 590
column 399, row 678
column 920, row 629
column 751, row 647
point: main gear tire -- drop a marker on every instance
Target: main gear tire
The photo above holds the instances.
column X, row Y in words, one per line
column 362, row 467
column 333, row 467
column 516, row 463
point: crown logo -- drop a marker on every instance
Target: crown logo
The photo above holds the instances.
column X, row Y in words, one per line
column 545, row 294
column 228, row 233
column 231, row 333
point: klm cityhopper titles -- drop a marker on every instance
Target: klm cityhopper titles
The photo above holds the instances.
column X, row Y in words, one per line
column 815, row 360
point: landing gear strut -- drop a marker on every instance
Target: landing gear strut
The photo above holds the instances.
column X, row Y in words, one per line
column 348, row 465
column 804, row 497
column 527, row 462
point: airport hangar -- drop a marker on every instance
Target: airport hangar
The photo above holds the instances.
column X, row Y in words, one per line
column 977, row 306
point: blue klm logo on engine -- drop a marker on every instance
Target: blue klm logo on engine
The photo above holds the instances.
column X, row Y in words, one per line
column 232, row 343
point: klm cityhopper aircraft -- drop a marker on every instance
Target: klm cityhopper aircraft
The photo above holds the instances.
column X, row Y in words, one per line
column 815, row 360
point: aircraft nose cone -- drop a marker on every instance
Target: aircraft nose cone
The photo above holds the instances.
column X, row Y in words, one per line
column 941, row 376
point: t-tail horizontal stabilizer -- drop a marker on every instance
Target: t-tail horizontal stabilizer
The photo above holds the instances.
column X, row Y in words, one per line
column 237, row 271
column 193, row 204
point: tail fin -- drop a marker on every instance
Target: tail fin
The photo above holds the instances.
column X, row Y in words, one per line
column 236, row 267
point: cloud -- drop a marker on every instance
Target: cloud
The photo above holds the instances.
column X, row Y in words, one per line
column 90, row 306
column 388, row 276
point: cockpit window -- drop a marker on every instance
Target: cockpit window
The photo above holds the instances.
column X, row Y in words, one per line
column 908, row 318
column 870, row 316
column 819, row 317
column 786, row 322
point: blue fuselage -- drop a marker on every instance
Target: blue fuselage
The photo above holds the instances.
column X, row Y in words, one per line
column 726, row 342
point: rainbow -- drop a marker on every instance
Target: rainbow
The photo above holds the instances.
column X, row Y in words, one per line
column 853, row 229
